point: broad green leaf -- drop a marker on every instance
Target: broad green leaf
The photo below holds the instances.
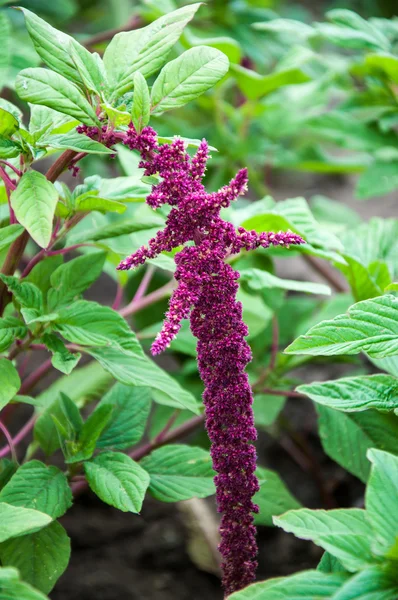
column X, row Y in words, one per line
column 44, row 120
column 72, row 278
column 72, row 140
column 363, row 284
column 7, row 470
column 10, row 330
column 8, row 123
column 119, row 229
column 88, row 202
column 13, row 589
column 83, row 385
column 40, row 557
column 342, row 129
column 267, row 408
column 86, row 443
column 228, row 45
column 187, row 77
column 62, row 411
column 52, row 45
column 134, row 368
column 90, row 67
column 179, row 472
column 307, row 585
column 9, row 149
column 117, row 480
column 374, row 583
column 9, row 234
column 346, row 437
column 91, row 324
column 384, row 62
column 355, row 393
column 145, row 50
column 376, row 240
column 25, row 293
column 62, row 359
column 370, row 326
column 34, row 203
column 38, row 486
column 9, row 381
column 273, row 498
column 40, row 86
column 351, row 31
column 330, row 564
column 129, row 417
column 254, row 85
column 141, row 107
column 345, row 533
column 16, row 521
column 379, row 179
column 41, row 273
column 262, row 280
column 382, row 501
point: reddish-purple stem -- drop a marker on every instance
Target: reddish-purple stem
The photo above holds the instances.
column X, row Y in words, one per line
column 22, row 433
column 44, row 253
column 136, row 305
column 34, row 377
column 118, row 297
column 10, row 443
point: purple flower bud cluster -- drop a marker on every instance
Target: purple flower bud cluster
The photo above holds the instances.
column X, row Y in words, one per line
column 206, row 293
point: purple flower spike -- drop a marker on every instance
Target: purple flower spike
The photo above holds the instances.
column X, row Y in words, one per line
column 206, row 293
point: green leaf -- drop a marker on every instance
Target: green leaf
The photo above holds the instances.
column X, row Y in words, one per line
column 355, row 393
column 370, row 326
column 34, row 203
column 25, row 293
column 47, row 88
column 128, row 420
column 10, row 330
column 254, row 85
column 74, row 141
column 330, row 564
column 117, row 480
column 379, row 179
column 9, row 381
column 43, row 488
column 64, row 412
column 307, row 585
column 16, row 521
column 344, row 533
column 375, row 583
column 69, row 280
column 141, row 107
column 145, row 50
column 9, row 149
column 349, row 30
column 41, row 273
column 8, row 123
column 89, row 434
column 7, row 470
column 44, row 120
column 267, row 408
column 89, row 201
column 9, row 234
column 62, row 359
column 179, row 472
column 382, row 501
column 346, row 437
column 136, row 369
column 90, row 67
column 384, row 62
column 91, row 324
column 262, row 280
column 13, row 589
column 52, row 45
column 40, row 557
column 187, row 77
column 273, row 498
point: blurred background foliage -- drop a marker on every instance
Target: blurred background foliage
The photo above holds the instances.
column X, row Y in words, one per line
column 305, row 92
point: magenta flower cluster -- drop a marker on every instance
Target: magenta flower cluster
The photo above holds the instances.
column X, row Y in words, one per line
column 206, row 292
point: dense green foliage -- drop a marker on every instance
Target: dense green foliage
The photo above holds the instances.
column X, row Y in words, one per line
column 276, row 95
